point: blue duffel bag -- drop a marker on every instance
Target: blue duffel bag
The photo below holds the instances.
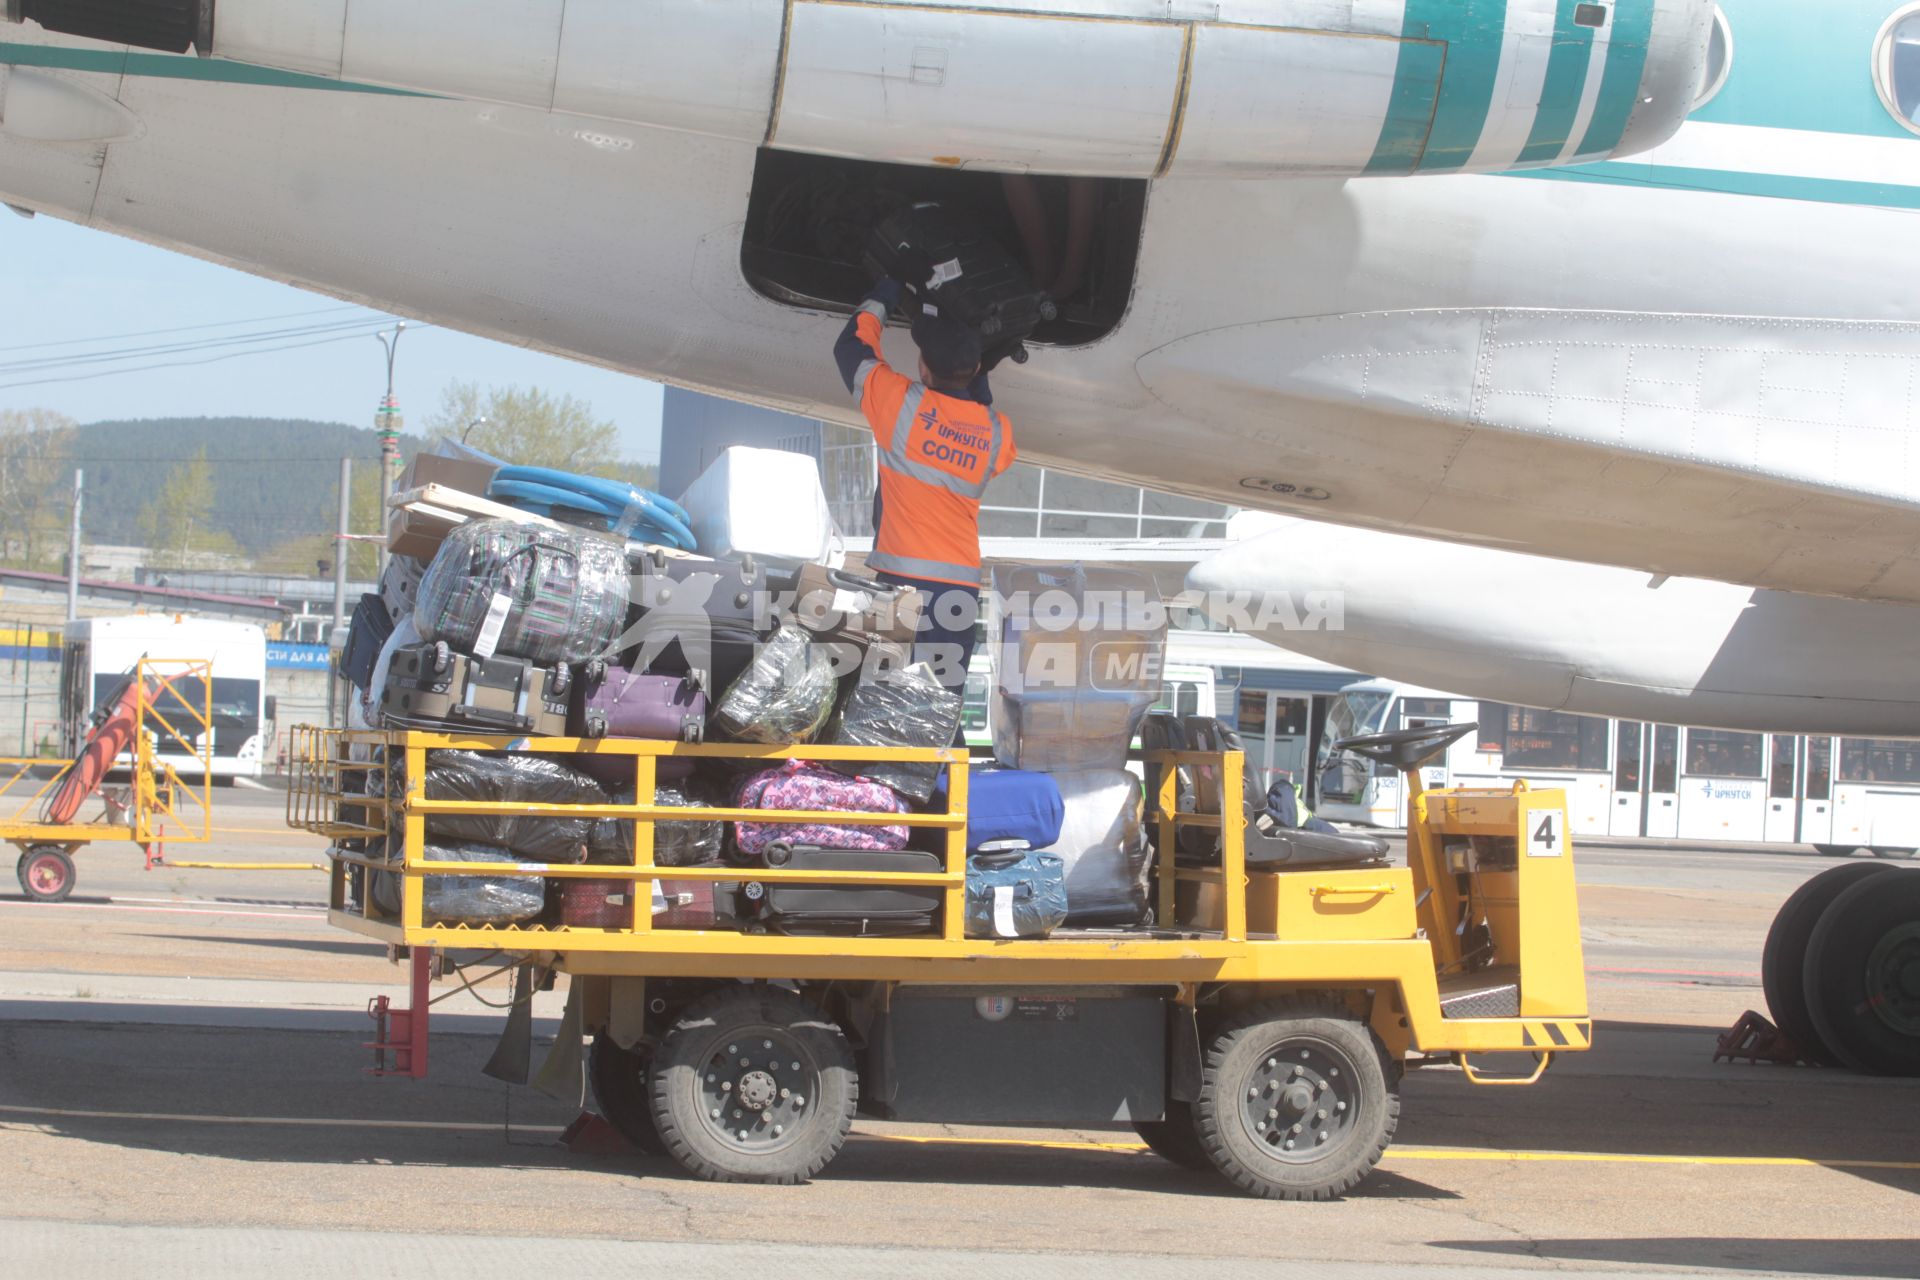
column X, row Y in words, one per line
column 1015, row 893
column 1011, row 804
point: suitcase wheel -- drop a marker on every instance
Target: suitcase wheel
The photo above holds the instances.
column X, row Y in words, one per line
column 562, row 677
column 596, row 671
column 442, row 657
column 1047, row 309
column 778, row 854
column 593, row 727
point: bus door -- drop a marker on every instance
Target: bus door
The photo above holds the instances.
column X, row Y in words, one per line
column 1722, row 779
column 1663, row 786
column 1783, row 776
column 1628, row 814
column 1276, row 730
column 1816, row 792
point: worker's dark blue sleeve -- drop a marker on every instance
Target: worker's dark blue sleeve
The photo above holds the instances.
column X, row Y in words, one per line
column 851, row 350
column 979, row 390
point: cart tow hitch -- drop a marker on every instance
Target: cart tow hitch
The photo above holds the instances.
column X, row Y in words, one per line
column 403, row 1032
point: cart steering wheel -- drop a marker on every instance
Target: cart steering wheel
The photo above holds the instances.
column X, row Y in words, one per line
column 1406, row 749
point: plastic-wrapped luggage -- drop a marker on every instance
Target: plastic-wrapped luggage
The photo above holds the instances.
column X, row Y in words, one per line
column 729, row 508
column 520, row 591
column 519, row 779
column 784, row 698
column 1103, row 842
column 675, row 844
column 807, row 787
column 907, row 709
column 1015, row 893
column 1077, row 662
column 467, row 899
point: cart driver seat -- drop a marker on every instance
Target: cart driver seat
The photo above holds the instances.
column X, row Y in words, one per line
column 1269, row 847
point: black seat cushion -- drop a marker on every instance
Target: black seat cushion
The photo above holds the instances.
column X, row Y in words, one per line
column 1281, row 847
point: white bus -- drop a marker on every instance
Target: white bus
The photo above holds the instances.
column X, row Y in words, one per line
column 98, row 653
column 1624, row 778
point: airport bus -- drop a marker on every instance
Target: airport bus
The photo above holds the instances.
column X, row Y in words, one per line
column 98, row 653
column 1624, row 778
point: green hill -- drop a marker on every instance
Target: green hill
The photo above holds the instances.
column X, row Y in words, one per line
column 275, row 480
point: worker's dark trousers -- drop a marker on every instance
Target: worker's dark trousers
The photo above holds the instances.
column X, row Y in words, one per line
column 947, row 633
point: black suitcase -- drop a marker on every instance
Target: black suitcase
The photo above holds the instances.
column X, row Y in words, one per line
column 366, row 636
column 840, row 910
column 940, row 254
column 726, row 590
column 430, row 686
column 730, row 650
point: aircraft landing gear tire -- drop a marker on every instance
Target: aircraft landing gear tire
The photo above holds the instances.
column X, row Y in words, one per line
column 1863, row 975
column 45, row 872
column 618, row 1078
column 1296, row 1101
column 754, row 1084
column 1174, row 1138
column 1783, row 961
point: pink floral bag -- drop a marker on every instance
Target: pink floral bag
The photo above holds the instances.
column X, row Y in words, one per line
column 809, row 787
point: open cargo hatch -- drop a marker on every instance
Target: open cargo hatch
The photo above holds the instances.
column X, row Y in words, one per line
column 809, row 217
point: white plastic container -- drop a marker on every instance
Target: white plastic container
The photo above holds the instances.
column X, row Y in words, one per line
column 766, row 503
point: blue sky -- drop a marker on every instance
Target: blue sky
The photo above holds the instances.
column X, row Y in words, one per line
column 60, row 283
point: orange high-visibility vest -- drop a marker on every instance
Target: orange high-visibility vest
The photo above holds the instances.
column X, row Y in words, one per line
column 937, row 454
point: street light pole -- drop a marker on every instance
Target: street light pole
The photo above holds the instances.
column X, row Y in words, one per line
column 388, row 423
column 73, row 548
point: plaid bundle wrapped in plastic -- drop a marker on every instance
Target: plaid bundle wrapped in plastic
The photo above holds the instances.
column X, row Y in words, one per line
column 546, row 595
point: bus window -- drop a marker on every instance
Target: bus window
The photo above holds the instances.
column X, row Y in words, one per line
column 1627, row 760
column 973, row 712
column 1819, row 768
column 1879, row 760
column 1493, row 727
column 1253, row 715
column 1718, row 753
column 1532, row 739
column 1354, row 713
column 1666, row 758
column 1780, row 787
column 1416, row 713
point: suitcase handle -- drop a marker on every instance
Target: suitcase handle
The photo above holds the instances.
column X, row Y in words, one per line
column 854, row 582
column 486, row 716
column 998, row 859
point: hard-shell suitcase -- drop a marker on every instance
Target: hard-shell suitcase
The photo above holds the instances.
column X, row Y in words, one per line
column 835, row 604
column 945, row 259
column 808, row 788
column 730, row 512
column 615, row 701
column 724, row 589
column 677, row 904
column 400, row 585
column 366, row 634
column 841, row 910
column 431, row 686
column 522, row 591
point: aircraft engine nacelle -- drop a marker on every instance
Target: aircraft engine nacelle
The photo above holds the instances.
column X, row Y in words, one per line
column 1125, row 88
column 1586, row 638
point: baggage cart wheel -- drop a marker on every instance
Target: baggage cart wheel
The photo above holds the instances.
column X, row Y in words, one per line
column 618, row 1078
column 46, row 873
column 1863, row 975
column 1783, row 961
column 754, row 1084
column 1296, row 1101
column 1174, row 1138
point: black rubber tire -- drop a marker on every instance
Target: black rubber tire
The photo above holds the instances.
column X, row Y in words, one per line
column 735, row 1014
column 1783, row 959
column 1883, row 852
column 1835, row 850
column 1849, row 1003
column 45, row 873
column 1174, row 1138
column 1264, row 1032
column 618, row 1078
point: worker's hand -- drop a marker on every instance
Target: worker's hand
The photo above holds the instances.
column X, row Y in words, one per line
column 886, row 290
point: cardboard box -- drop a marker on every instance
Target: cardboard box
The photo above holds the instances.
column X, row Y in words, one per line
column 419, row 533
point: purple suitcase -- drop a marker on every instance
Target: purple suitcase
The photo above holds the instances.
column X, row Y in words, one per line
column 618, row 703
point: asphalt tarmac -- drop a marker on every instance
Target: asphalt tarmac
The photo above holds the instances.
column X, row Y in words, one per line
column 182, row 1092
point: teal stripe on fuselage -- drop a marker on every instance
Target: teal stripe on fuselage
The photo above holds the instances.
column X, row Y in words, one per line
column 167, row 66
column 1804, row 66
column 1628, row 173
column 1474, row 32
column 1410, row 110
column 1620, row 83
column 1565, row 85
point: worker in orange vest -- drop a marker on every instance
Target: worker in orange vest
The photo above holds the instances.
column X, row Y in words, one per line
column 940, row 442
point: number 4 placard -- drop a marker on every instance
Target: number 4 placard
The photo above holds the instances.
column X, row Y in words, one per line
column 1546, row 839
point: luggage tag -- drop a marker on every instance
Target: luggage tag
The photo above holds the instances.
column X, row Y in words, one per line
column 488, row 640
column 943, row 272
column 1003, row 925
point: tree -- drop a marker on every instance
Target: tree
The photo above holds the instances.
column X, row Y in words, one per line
column 527, row 426
column 36, row 492
column 178, row 524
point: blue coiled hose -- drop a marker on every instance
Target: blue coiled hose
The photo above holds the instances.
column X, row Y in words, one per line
column 647, row 516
